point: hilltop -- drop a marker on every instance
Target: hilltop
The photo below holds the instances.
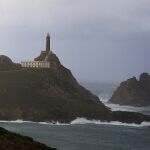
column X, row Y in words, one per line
column 7, row 64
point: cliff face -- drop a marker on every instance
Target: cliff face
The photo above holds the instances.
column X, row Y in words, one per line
column 46, row 95
column 133, row 92
column 12, row 141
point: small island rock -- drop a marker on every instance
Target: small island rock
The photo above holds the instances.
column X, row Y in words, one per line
column 133, row 92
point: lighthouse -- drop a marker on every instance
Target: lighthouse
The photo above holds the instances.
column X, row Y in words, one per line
column 41, row 61
column 48, row 45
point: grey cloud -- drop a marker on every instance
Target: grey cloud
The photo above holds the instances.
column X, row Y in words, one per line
column 111, row 37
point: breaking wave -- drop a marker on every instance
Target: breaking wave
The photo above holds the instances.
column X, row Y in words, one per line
column 83, row 121
column 104, row 97
column 19, row 121
column 116, row 107
column 116, row 123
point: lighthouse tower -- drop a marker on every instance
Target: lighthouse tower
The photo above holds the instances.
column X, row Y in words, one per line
column 48, row 44
column 42, row 61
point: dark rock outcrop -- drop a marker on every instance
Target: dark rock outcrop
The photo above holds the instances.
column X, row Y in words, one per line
column 133, row 92
column 41, row 57
column 7, row 64
column 128, row 117
column 13, row 141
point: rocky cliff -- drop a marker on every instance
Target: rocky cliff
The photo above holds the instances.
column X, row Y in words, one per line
column 12, row 141
column 52, row 94
column 133, row 92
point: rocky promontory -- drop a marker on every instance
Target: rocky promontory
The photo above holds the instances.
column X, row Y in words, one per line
column 46, row 94
column 133, row 92
column 13, row 141
column 52, row 94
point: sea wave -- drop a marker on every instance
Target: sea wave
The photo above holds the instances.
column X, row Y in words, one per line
column 19, row 121
column 15, row 121
column 116, row 123
column 104, row 98
column 117, row 107
column 82, row 121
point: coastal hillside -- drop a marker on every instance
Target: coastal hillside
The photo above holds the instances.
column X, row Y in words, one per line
column 13, row 141
column 51, row 94
column 133, row 92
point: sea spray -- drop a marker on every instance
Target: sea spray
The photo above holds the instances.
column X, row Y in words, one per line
column 81, row 121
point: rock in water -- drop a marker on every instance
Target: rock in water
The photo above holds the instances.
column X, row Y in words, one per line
column 133, row 92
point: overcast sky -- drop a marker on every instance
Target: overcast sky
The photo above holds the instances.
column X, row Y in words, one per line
column 99, row 40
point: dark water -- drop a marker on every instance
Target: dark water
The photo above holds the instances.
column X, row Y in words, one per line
column 86, row 137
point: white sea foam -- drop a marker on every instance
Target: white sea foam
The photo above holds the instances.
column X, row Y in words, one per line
column 15, row 121
column 104, row 97
column 19, row 121
column 82, row 121
column 116, row 123
column 116, row 107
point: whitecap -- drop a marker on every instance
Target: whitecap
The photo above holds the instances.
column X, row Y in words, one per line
column 116, row 123
column 81, row 121
column 15, row 121
column 126, row 108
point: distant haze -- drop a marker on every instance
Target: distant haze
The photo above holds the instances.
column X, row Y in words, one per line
column 99, row 40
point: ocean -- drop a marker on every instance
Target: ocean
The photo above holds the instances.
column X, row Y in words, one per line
column 84, row 134
column 105, row 90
